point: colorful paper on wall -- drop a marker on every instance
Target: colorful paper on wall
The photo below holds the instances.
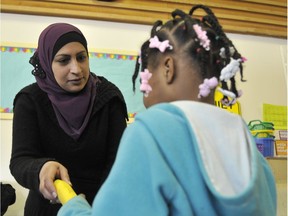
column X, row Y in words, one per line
column 275, row 114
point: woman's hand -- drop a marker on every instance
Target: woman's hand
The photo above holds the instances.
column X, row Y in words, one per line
column 50, row 171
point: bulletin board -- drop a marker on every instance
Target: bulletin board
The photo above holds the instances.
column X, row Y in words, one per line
column 117, row 68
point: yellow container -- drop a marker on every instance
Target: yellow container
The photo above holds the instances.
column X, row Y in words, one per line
column 64, row 191
column 262, row 133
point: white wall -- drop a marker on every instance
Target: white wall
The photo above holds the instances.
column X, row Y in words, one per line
column 5, row 176
column 265, row 70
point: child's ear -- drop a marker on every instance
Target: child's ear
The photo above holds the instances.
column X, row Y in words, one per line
column 169, row 70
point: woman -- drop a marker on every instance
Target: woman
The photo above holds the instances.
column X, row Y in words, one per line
column 67, row 125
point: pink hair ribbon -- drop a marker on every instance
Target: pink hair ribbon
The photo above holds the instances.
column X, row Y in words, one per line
column 202, row 36
column 145, row 87
column 243, row 59
column 206, row 86
column 155, row 43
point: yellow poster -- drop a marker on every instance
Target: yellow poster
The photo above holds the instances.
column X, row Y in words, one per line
column 276, row 114
column 235, row 108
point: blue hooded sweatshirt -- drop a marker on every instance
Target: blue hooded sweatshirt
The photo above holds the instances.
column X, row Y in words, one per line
column 184, row 158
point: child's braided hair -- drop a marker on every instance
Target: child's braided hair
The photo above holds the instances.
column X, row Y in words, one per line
column 181, row 33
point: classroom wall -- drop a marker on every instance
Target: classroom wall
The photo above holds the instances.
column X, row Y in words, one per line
column 265, row 70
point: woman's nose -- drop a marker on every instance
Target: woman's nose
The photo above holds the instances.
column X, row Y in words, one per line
column 75, row 66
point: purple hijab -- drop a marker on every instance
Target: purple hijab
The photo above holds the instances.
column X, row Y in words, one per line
column 73, row 110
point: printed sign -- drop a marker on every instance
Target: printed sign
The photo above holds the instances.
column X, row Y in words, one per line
column 235, row 108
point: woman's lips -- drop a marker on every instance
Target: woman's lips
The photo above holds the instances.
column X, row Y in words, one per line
column 76, row 81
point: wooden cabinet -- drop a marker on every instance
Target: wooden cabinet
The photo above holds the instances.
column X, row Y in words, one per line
column 279, row 168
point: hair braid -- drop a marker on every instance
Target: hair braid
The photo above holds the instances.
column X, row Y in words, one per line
column 186, row 34
column 135, row 74
column 211, row 20
column 155, row 26
column 144, row 61
column 195, row 49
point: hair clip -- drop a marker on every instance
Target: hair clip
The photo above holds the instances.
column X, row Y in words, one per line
column 230, row 70
column 222, row 52
column 231, row 95
column 206, row 86
column 202, row 36
column 244, row 59
column 155, row 43
column 227, row 93
column 240, row 93
column 144, row 86
column 226, row 101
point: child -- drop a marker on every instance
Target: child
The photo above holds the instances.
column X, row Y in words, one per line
column 184, row 156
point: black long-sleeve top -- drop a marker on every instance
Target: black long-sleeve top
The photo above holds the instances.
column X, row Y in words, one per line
column 38, row 138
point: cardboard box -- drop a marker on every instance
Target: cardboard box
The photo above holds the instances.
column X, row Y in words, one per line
column 280, row 134
column 281, row 147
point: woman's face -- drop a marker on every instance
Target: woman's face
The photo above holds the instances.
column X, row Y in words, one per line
column 71, row 67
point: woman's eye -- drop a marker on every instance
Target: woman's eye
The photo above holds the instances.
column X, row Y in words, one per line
column 63, row 60
column 81, row 58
